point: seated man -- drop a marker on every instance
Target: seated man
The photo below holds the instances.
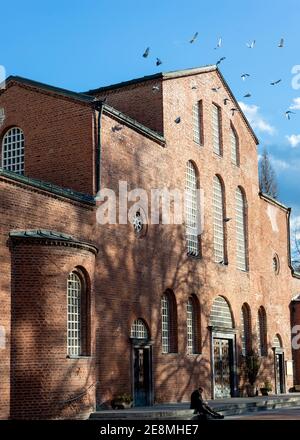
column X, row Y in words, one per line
column 201, row 407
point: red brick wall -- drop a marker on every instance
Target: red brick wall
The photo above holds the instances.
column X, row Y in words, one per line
column 59, row 145
column 38, row 316
column 140, row 102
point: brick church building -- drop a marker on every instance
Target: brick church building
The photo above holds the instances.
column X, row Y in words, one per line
column 91, row 310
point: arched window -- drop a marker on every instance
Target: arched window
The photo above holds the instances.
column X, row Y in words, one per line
column 262, row 332
column 193, row 326
column 198, row 122
column 277, row 342
column 219, row 226
column 220, row 315
column 168, row 323
column 246, row 329
column 241, row 230
column 139, row 330
column 216, row 129
column 234, row 146
column 13, row 150
column 191, row 210
column 77, row 327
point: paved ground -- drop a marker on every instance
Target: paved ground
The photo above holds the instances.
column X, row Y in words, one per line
column 278, row 414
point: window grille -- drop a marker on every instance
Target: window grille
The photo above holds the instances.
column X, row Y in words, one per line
column 216, row 130
column 218, row 221
column 191, row 210
column 241, row 250
column 74, row 314
column 13, row 151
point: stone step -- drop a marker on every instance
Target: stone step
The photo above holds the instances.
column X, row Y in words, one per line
column 229, row 407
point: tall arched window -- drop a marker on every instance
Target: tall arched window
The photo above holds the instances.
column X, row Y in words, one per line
column 74, row 314
column 168, row 323
column 246, row 329
column 13, row 150
column 191, row 210
column 193, row 325
column 234, row 146
column 241, row 230
column 219, row 226
column 216, row 130
column 262, row 332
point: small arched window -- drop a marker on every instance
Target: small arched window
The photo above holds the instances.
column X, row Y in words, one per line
column 77, row 327
column 220, row 314
column 234, row 146
column 139, row 330
column 246, row 329
column 193, row 326
column 241, row 230
column 168, row 323
column 277, row 342
column 262, row 332
column 216, row 130
column 13, row 150
column 218, row 219
column 191, row 210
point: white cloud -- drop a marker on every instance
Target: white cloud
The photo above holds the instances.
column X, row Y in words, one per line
column 255, row 118
column 296, row 105
column 294, row 140
column 279, row 164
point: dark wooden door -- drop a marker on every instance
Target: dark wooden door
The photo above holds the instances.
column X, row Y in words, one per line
column 279, row 369
column 142, row 376
column 222, row 367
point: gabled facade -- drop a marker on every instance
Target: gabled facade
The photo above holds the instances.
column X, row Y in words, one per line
column 90, row 310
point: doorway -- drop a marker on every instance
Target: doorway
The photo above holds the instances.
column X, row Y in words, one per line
column 142, row 376
column 223, row 367
column 279, row 372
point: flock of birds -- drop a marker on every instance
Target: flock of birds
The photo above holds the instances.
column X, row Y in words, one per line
column 244, row 76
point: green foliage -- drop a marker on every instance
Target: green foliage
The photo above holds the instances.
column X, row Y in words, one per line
column 252, row 366
column 125, row 397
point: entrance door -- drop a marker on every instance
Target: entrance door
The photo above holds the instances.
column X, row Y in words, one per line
column 279, row 371
column 142, row 376
column 223, row 360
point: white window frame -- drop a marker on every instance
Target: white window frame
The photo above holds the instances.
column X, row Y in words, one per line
column 191, row 210
column 165, row 324
column 139, row 330
column 13, row 147
column 197, row 123
column 241, row 238
column 74, row 296
column 216, row 130
column 234, row 146
column 191, row 326
column 218, row 221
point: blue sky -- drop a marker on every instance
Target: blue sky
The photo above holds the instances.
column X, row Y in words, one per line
column 81, row 45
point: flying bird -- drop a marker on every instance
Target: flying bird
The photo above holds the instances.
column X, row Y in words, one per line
column 219, row 43
column 155, row 88
column 281, row 43
column 288, row 114
column 116, row 128
column 227, row 219
column 244, row 76
column 226, row 100
column 194, row 87
column 158, row 61
column 220, row 61
column 177, row 120
column 194, row 37
column 146, row 53
column 275, row 82
column 216, row 89
column 248, row 95
column 233, row 110
column 251, row 45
